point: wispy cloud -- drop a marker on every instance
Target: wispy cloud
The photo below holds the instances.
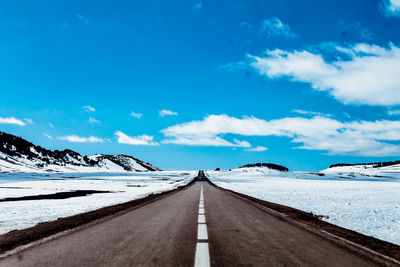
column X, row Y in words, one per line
column 198, row 6
column 89, row 109
column 235, row 66
column 356, row 138
column 83, row 18
column 391, row 7
column 355, row 29
column 144, row 140
column 28, row 121
column 371, row 76
column 136, row 115
column 257, row 149
column 274, row 26
column 166, row 112
column 51, row 125
column 78, row 139
column 394, row 112
column 310, row 113
column 12, row 120
column 48, row 136
column 248, row 26
column 93, row 120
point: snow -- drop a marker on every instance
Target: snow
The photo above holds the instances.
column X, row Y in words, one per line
column 368, row 203
column 9, row 164
column 365, row 170
column 109, row 165
column 136, row 165
column 28, row 166
column 125, row 187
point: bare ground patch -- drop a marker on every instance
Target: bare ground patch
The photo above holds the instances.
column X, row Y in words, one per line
column 59, row 195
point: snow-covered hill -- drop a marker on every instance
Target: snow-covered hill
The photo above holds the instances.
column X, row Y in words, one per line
column 270, row 166
column 365, row 170
column 19, row 155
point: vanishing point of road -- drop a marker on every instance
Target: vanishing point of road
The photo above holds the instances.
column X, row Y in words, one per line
column 200, row 225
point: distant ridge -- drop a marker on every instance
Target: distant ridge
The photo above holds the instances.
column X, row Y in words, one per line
column 20, row 155
column 268, row 165
column 373, row 164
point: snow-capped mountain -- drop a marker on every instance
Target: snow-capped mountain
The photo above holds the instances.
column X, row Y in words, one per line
column 19, row 155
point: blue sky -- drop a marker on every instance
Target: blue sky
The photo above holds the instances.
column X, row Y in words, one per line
column 205, row 84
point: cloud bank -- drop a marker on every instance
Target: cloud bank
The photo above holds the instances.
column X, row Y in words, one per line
column 370, row 75
column 357, row 138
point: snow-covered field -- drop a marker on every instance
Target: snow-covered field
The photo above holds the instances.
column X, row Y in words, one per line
column 125, row 187
column 368, row 203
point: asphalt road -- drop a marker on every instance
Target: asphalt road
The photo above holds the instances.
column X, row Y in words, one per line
column 165, row 233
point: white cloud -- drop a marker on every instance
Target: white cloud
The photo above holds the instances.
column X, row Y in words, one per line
column 93, row 120
column 89, row 109
column 257, row 149
column 371, row 76
column 144, row 140
column 357, row 138
column 391, row 7
column 48, row 136
column 166, row 112
column 12, row 120
column 136, row 115
column 78, row 139
column 310, row 113
column 28, row 121
column 275, row 26
column 51, row 125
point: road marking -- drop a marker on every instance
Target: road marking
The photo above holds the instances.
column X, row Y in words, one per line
column 202, row 232
column 202, row 257
column 202, row 218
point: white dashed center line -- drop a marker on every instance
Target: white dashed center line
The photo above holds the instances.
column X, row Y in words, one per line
column 202, row 232
column 202, row 218
column 202, row 258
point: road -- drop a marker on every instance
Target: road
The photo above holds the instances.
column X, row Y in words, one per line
column 200, row 225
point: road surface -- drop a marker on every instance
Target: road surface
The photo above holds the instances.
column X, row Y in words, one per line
column 200, row 225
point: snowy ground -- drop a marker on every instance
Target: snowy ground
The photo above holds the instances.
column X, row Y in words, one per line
column 369, row 204
column 23, row 214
